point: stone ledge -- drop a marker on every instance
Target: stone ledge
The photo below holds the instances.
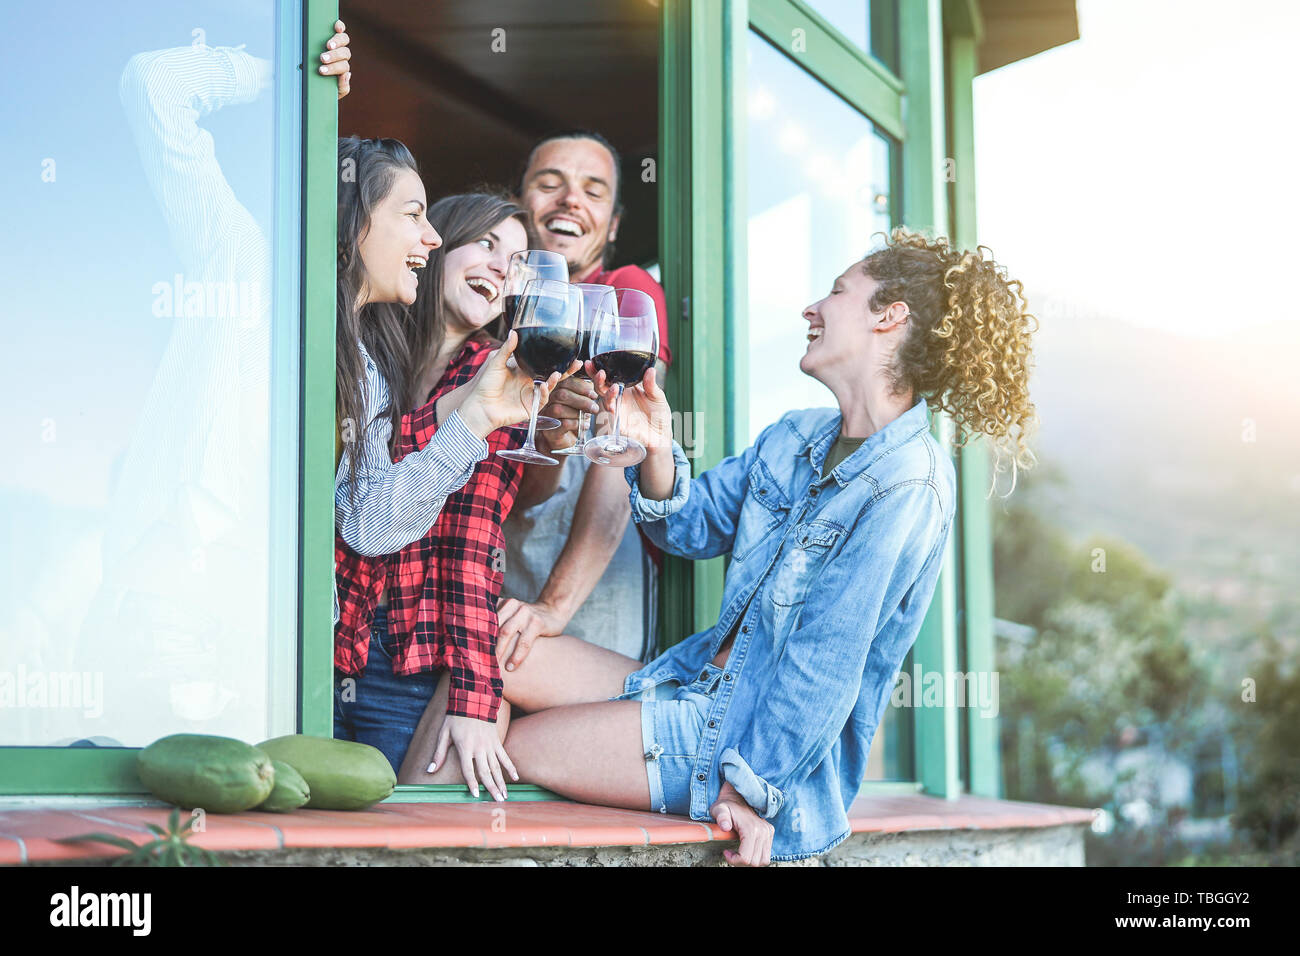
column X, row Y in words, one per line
column 548, row 833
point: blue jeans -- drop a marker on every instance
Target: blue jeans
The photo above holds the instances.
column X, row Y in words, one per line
column 381, row 708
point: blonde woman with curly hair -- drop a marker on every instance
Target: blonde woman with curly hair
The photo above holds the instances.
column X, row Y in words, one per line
column 836, row 521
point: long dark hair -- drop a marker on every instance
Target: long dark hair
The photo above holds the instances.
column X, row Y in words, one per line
column 459, row 220
column 368, row 168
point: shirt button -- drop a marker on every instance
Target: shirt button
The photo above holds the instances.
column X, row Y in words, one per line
column 726, row 677
column 762, row 491
column 704, row 676
column 813, row 491
column 745, row 629
column 713, row 723
column 699, row 776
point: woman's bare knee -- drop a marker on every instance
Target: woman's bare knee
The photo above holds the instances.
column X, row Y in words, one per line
column 566, row 670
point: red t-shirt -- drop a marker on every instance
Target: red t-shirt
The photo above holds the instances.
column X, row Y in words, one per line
column 634, row 277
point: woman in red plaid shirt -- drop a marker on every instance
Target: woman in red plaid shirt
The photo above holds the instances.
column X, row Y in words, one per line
column 422, row 621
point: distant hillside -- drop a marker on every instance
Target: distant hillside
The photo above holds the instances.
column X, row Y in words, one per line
column 1189, row 448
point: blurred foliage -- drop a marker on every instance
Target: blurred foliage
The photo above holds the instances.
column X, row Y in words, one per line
column 1106, row 668
column 1269, row 808
column 1108, row 653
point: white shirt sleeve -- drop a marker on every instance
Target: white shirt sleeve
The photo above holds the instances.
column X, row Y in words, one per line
column 391, row 505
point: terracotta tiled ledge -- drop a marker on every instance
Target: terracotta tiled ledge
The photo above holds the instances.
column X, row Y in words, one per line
column 29, row 835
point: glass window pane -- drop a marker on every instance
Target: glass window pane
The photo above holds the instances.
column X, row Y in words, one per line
column 818, row 189
column 870, row 25
column 149, row 494
column 818, row 183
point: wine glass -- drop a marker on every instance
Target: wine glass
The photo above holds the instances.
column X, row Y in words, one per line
column 624, row 344
column 524, row 267
column 548, row 321
column 595, row 300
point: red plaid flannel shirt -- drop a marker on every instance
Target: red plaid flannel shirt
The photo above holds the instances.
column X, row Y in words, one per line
column 443, row 589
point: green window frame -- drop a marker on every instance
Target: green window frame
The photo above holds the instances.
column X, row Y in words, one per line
column 928, row 110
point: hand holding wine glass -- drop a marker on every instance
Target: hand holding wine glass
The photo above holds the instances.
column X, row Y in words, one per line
column 571, row 403
column 624, row 343
column 647, row 416
column 501, row 392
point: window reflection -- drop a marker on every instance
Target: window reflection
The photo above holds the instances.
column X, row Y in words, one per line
column 141, row 523
column 818, row 183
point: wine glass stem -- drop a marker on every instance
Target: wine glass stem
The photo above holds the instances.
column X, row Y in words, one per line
column 618, row 411
column 532, row 418
column 584, row 424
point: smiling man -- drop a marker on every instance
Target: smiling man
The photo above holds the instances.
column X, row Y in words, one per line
column 569, row 536
column 571, row 187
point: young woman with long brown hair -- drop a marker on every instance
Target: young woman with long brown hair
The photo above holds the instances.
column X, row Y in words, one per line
column 421, row 623
column 384, row 237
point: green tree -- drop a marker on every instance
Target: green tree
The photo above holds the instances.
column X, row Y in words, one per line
column 1269, row 728
column 1107, row 654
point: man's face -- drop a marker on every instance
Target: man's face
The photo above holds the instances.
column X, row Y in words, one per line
column 569, row 191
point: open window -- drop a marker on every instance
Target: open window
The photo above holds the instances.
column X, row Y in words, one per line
column 469, row 87
column 741, row 124
column 149, row 496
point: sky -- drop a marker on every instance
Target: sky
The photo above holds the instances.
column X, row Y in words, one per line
column 1148, row 170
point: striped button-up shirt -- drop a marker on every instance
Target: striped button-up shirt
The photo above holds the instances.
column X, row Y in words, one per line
column 390, row 504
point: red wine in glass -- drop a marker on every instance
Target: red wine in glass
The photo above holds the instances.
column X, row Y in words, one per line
column 546, row 349
column 596, row 300
column 625, row 343
column 623, row 366
column 508, row 307
column 524, row 267
column 549, row 333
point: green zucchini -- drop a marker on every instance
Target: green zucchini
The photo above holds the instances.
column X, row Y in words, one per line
column 218, row 774
column 341, row 774
column 290, row 790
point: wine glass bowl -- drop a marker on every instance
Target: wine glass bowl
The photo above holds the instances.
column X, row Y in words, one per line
column 624, row 345
column 548, row 323
column 526, row 266
column 596, row 299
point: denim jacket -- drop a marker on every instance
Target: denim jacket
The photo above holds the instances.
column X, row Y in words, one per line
column 830, row 578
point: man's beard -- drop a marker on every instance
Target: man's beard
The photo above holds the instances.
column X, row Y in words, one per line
column 580, row 268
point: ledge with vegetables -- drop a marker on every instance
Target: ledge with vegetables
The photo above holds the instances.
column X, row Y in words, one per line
column 351, row 813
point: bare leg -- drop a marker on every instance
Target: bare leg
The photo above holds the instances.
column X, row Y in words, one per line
column 564, row 670
column 566, row 679
column 425, row 740
column 587, row 752
column 574, row 740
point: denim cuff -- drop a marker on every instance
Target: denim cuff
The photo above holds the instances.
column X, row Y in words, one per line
column 646, row 509
column 758, row 793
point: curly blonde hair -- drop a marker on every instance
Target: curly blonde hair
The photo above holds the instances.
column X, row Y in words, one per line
column 966, row 350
